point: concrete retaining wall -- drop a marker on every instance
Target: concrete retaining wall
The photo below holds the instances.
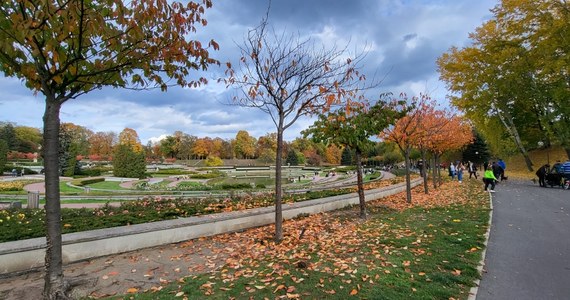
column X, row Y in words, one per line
column 21, row 256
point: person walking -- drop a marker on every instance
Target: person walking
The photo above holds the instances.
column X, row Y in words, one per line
column 452, row 170
column 460, row 168
column 489, row 179
column 503, row 166
column 497, row 170
column 472, row 168
column 541, row 173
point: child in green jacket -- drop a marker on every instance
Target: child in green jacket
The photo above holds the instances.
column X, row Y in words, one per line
column 489, row 178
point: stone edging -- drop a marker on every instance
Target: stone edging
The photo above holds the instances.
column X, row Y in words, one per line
column 26, row 255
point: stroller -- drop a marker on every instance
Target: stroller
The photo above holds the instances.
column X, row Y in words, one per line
column 556, row 177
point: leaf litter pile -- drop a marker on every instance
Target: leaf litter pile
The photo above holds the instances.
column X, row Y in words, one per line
column 428, row 249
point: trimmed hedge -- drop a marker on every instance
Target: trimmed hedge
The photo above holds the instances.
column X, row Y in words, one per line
column 83, row 182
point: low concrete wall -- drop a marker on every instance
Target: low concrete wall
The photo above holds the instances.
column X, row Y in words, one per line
column 21, row 256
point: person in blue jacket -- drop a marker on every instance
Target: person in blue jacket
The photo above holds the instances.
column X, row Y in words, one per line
column 503, row 166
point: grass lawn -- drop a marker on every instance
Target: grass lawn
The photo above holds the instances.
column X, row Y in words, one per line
column 66, row 189
column 516, row 166
column 227, row 180
column 107, row 185
column 429, row 250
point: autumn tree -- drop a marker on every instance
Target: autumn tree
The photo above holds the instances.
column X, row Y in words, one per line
column 443, row 131
column 101, row 144
column 244, row 146
column 405, row 134
column 66, row 49
column 352, row 127
column 512, row 81
column 332, row 154
column 217, row 147
column 201, row 148
column 266, row 148
column 129, row 137
column 29, row 138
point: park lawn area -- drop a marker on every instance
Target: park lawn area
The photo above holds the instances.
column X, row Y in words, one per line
column 268, row 182
column 426, row 250
column 516, row 166
column 66, row 189
column 107, row 185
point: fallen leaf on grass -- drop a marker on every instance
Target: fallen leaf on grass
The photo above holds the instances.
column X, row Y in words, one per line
column 132, row 290
column 179, row 294
column 353, row 292
column 279, row 287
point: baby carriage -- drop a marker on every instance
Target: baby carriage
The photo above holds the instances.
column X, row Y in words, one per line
column 566, row 181
column 554, row 177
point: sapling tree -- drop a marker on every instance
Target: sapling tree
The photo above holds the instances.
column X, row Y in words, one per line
column 287, row 78
column 352, row 127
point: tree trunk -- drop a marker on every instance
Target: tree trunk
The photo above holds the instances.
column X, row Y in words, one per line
column 423, row 172
column 360, row 185
column 567, row 149
column 55, row 286
column 512, row 129
column 408, row 179
column 278, row 191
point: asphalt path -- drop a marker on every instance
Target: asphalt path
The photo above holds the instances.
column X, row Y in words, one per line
column 528, row 254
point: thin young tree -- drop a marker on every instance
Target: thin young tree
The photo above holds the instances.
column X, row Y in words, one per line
column 352, row 127
column 405, row 134
column 287, row 78
column 65, row 49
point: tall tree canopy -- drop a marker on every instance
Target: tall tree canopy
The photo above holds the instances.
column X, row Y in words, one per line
column 512, row 82
column 64, row 49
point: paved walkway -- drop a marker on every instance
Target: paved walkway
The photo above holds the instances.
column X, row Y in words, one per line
column 528, row 255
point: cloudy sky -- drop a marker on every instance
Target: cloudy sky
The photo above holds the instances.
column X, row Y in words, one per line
column 404, row 39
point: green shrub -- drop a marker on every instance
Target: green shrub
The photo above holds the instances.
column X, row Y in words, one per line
column 212, row 174
column 398, row 172
column 233, row 186
column 3, row 154
column 90, row 172
column 214, row 161
column 128, row 162
column 82, row 182
column 173, row 172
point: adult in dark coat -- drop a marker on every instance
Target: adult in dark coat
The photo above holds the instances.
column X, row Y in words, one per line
column 541, row 173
